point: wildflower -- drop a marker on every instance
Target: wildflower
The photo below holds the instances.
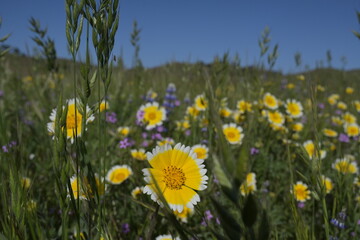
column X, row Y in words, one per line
column 166, row 237
column 165, row 141
column 104, row 105
column 333, row 98
column 83, row 189
column 329, row 132
column 244, row 106
column 153, row 115
column 276, row 118
column 201, row 151
column 183, row 216
column 342, row 105
column 111, row 117
column 125, row 143
column 297, row 127
column 352, row 130
column 300, row 191
column 249, row 185
column 73, row 126
column 344, row 138
column 310, row 150
column 290, row 86
column 270, row 101
column 192, row 111
column 201, row 103
column 294, row 108
column 320, row 88
column 136, row 192
column 327, row 183
column 234, row 134
column 254, row 151
column 349, row 90
column 125, row 228
column 349, row 118
column 357, row 105
column 345, row 165
column 176, row 173
column 336, row 121
column 225, row 112
column 118, row 174
column 123, row 131
column 26, row 182
column 138, row 154
column 300, row 77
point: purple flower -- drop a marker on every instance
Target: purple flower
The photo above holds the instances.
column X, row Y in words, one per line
column 156, row 136
column 208, row 215
column 5, row 149
column 177, row 103
column 145, row 143
column 1, row 93
column 144, row 135
column 321, row 105
column 161, row 129
column 338, row 112
column 187, row 132
column 111, row 117
column 139, row 117
column 124, row 143
column 217, row 221
column 301, row 205
column 125, row 228
column 254, row 151
column 344, row 138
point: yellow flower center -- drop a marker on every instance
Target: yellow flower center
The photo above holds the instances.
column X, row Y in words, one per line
column 174, row 177
column 293, row 108
column 301, row 193
column 118, row 177
column 152, row 116
column 73, row 121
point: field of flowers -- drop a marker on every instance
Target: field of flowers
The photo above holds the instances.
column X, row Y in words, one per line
column 183, row 151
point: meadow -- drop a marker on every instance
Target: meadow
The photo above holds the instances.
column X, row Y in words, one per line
column 91, row 149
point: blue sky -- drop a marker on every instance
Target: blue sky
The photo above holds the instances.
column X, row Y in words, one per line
column 198, row 30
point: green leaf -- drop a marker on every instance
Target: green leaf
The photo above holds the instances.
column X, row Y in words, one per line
column 249, row 212
column 229, row 224
column 220, row 174
column 264, row 227
column 356, row 34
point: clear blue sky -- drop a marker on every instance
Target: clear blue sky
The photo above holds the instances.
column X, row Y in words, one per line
column 192, row 30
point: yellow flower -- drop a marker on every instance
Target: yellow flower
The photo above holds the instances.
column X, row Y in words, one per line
column 176, row 173
column 357, row 105
column 294, row 108
column 300, row 191
column 352, row 130
column 225, row 112
column 300, row 77
column 136, row 192
column 345, row 165
column 73, row 119
column 31, row 205
column 153, row 115
column 349, row 118
column 138, row 154
column 192, row 111
column 276, row 118
column 201, row 103
column 26, row 182
column 270, row 101
column 327, row 183
column 297, row 127
column 329, row 132
column 166, row 141
column 337, row 121
column 234, row 134
column 249, row 185
column 118, row 174
column 290, row 86
column 104, row 105
column 244, row 106
column 201, row 151
column 333, row 98
column 123, row 131
column 27, row 79
column 166, row 237
column 84, row 185
column 183, row 216
column 320, row 88
column 349, row 90
column 341, row 105
column 310, row 150
column 238, row 117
